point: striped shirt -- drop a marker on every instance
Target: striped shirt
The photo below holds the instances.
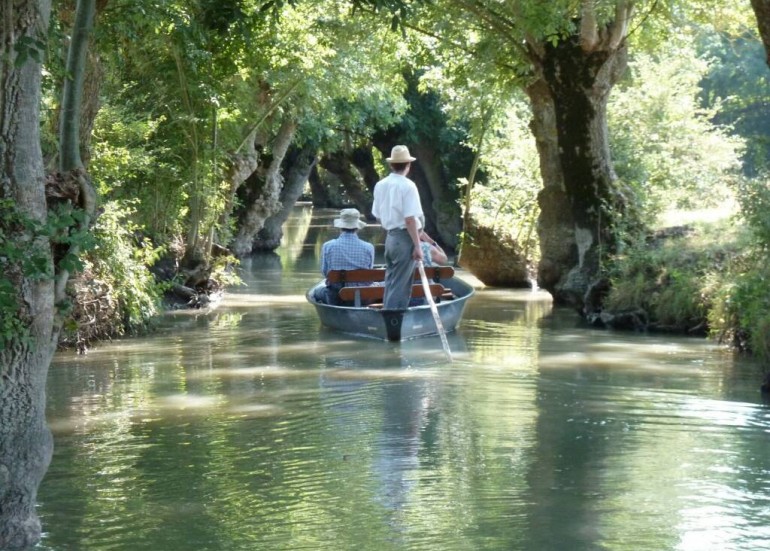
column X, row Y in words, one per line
column 426, row 259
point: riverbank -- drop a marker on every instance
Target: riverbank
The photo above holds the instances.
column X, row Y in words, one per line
column 698, row 273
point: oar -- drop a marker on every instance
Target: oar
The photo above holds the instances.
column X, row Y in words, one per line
column 433, row 309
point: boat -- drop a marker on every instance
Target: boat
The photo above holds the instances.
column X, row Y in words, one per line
column 372, row 320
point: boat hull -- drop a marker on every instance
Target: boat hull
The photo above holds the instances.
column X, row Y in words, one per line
column 395, row 325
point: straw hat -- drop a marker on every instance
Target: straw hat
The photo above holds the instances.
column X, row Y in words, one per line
column 349, row 219
column 400, row 154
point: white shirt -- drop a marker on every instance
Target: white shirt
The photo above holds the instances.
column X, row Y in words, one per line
column 396, row 198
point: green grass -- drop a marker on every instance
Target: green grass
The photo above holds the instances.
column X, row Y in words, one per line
column 677, row 276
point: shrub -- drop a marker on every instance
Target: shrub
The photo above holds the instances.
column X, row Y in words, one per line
column 114, row 293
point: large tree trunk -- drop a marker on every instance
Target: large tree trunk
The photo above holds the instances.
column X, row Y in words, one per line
column 300, row 162
column 442, row 211
column 362, row 159
column 580, row 202
column 319, row 192
column 267, row 202
column 29, row 340
column 762, row 13
column 339, row 164
column 240, row 166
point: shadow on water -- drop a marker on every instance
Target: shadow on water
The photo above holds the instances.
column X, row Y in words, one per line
column 252, row 427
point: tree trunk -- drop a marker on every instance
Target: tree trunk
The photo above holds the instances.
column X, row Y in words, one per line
column 439, row 201
column 92, row 87
column 268, row 201
column 240, row 166
column 70, row 162
column 320, row 194
column 300, row 162
column 72, row 94
column 29, row 340
column 339, row 164
column 362, row 159
column 762, row 13
column 580, row 203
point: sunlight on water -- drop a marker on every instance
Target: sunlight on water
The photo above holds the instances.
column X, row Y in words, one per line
column 249, row 301
column 251, row 427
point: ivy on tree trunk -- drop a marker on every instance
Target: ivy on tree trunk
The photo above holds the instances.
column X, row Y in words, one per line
column 268, row 202
column 580, row 201
column 26, row 288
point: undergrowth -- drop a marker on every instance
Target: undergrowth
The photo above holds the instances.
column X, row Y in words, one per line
column 676, row 275
column 709, row 277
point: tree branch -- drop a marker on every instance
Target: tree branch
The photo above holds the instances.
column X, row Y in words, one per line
column 619, row 27
column 589, row 33
column 272, row 107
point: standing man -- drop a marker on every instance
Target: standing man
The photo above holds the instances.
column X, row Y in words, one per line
column 397, row 207
column 346, row 252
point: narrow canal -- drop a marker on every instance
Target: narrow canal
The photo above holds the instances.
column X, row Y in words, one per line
column 252, row 428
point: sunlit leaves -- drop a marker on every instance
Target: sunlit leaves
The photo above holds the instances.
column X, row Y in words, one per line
column 736, row 87
column 121, row 259
column 664, row 144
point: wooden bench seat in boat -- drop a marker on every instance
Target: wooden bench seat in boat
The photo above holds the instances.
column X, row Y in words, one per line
column 365, row 295
column 433, row 273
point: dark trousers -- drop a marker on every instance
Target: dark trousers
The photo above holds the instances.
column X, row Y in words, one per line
column 329, row 294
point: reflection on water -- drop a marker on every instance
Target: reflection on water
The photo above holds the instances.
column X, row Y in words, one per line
column 251, row 427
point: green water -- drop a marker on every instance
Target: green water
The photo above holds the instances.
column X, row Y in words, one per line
column 250, row 427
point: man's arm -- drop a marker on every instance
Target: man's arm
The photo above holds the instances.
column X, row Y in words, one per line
column 414, row 233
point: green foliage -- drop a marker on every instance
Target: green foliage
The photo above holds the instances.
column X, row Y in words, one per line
column 66, row 228
column 754, row 199
column 120, row 259
column 189, row 81
column 24, row 254
column 674, row 277
column 29, row 260
column 11, row 327
column 131, row 162
column 223, row 271
column 347, row 70
column 28, row 47
column 742, row 308
column 741, row 315
column 506, row 198
column 737, row 85
column 664, row 146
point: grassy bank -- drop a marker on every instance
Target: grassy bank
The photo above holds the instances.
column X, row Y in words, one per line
column 699, row 272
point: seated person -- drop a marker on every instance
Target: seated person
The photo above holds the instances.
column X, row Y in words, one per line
column 433, row 255
column 431, row 251
column 346, row 252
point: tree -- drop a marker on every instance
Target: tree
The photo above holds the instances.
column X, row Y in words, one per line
column 71, row 168
column 762, row 12
column 580, row 202
column 735, row 87
column 27, row 310
column 42, row 232
column 344, row 87
column 229, row 86
column 567, row 56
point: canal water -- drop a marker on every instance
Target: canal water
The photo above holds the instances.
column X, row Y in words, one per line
column 250, row 427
